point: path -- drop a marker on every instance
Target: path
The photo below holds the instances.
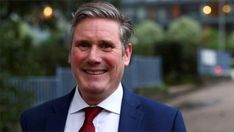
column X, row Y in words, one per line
column 209, row 109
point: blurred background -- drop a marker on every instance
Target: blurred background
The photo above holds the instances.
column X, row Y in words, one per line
column 183, row 56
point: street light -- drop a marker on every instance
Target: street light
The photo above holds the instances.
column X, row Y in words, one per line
column 207, row 9
column 227, row 8
column 48, row 11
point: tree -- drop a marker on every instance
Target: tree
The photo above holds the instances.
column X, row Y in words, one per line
column 178, row 51
column 146, row 36
column 230, row 42
column 210, row 38
column 51, row 55
column 184, row 30
column 16, row 50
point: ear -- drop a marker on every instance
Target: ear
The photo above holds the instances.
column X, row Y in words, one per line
column 127, row 54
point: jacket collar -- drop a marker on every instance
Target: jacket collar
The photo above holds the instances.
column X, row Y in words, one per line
column 131, row 116
column 57, row 120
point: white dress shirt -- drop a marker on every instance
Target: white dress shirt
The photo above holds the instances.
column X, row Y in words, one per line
column 106, row 121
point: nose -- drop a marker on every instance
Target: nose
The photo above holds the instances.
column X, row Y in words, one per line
column 94, row 55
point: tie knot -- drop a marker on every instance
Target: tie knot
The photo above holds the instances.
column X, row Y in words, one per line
column 91, row 113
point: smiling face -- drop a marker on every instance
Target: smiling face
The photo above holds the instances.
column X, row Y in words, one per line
column 98, row 58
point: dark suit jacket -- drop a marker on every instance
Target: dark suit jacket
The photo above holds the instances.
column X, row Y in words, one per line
column 137, row 114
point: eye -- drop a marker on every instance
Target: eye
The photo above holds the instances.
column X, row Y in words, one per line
column 83, row 45
column 107, row 47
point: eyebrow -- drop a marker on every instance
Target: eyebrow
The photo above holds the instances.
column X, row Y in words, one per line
column 106, row 41
column 99, row 42
column 82, row 41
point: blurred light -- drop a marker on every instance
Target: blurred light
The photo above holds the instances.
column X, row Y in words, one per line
column 227, row 8
column 206, row 10
column 218, row 70
column 48, row 11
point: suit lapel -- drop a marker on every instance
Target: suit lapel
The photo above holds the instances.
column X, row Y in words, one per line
column 56, row 121
column 131, row 116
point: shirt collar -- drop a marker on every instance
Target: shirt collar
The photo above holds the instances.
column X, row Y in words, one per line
column 115, row 97
column 78, row 103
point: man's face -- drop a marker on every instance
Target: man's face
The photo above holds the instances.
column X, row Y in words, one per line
column 97, row 57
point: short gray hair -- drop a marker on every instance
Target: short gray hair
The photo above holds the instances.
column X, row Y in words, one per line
column 104, row 10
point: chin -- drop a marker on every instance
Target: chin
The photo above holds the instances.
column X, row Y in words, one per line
column 94, row 87
column 95, row 91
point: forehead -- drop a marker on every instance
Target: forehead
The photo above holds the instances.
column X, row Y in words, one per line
column 98, row 24
column 97, row 27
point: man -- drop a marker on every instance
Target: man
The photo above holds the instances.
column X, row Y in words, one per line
column 100, row 51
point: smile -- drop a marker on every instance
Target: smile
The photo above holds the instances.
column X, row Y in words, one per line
column 95, row 72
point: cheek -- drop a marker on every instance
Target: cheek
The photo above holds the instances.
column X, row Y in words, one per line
column 76, row 57
column 115, row 61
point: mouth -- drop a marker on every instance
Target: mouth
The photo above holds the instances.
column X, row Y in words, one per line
column 94, row 72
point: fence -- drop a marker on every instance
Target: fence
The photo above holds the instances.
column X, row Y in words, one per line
column 44, row 88
column 142, row 71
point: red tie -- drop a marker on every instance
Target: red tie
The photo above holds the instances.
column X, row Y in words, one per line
column 90, row 114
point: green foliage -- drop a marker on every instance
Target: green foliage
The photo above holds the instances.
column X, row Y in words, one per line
column 146, row 36
column 50, row 56
column 155, row 92
column 12, row 102
column 176, row 63
column 148, row 32
column 230, row 42
column 185, row 31
column 145, row 50
column 210, row 38
column 15, row 50
column 21, row 57
column 178, row 51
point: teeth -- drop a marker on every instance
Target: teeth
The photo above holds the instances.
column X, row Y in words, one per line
column 94, row 72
